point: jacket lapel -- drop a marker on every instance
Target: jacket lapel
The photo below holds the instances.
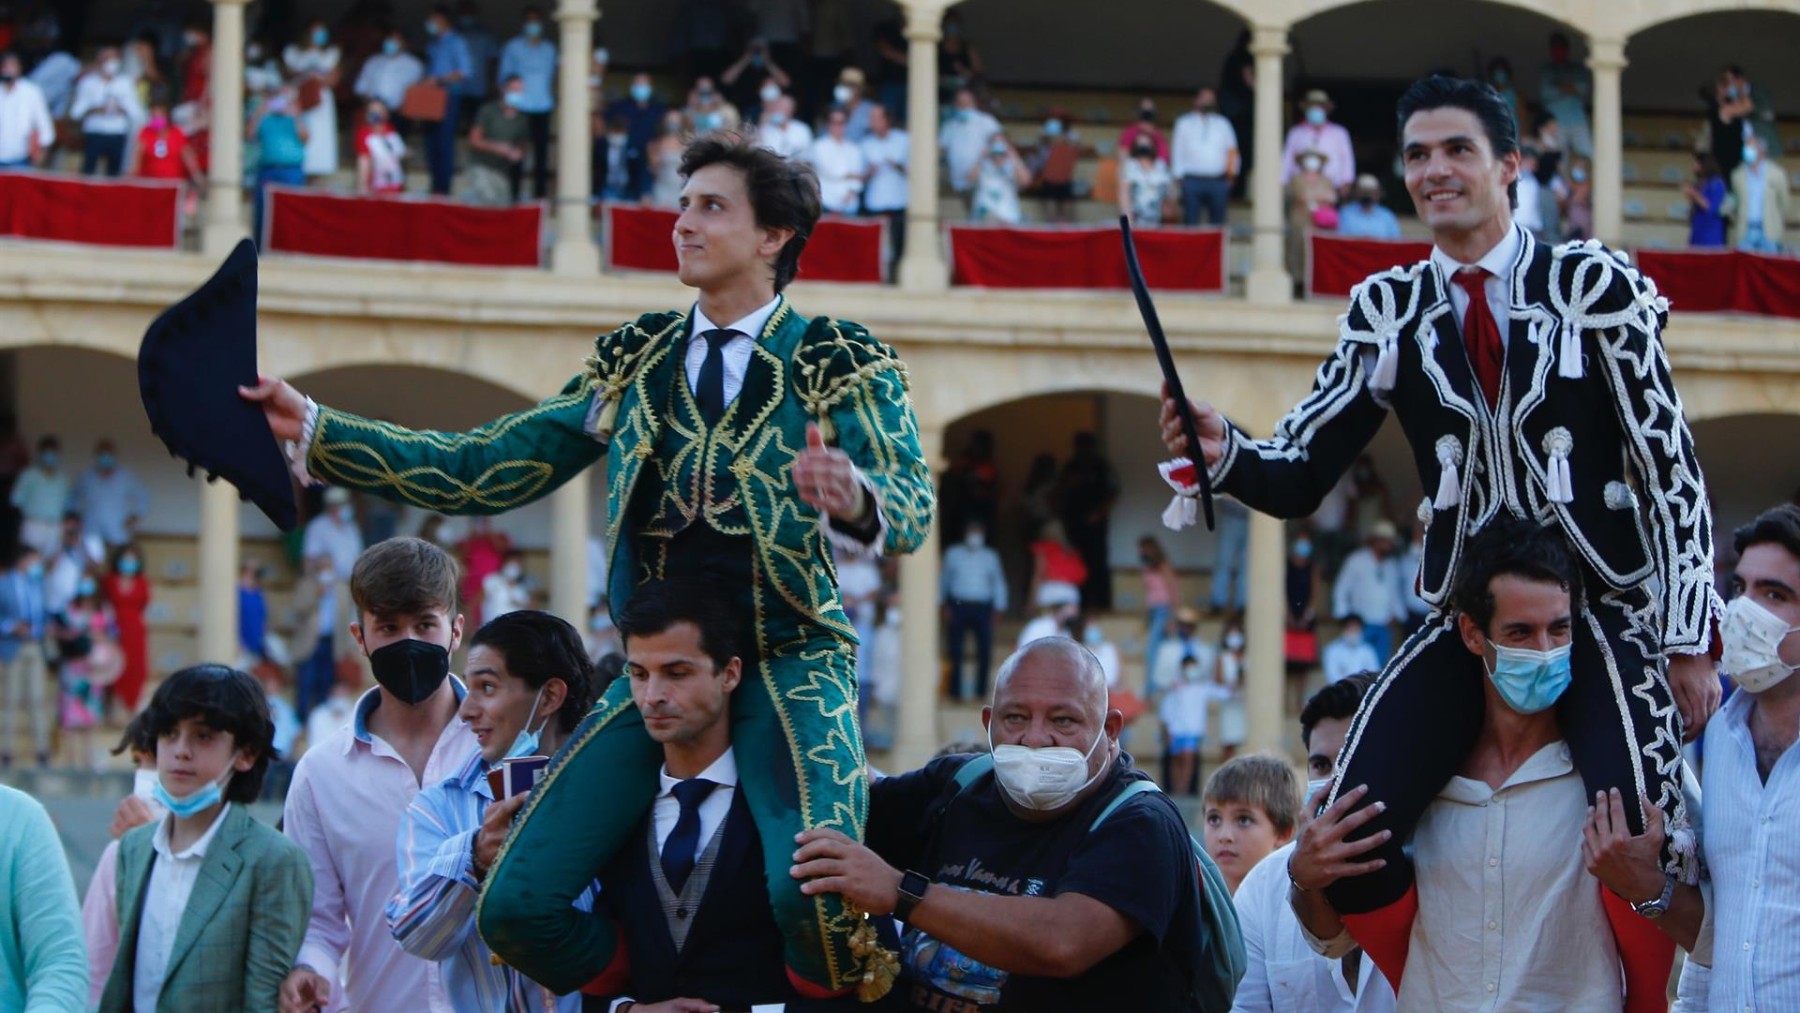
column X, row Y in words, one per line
column 1530, row 347
column 764, row 383
column 218, row 871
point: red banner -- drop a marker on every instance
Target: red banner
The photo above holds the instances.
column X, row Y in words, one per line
column 1335, row 264
column 402, row 228
column 1177, row 260
column 840, row 249
column 77, row 209
column 1725, row 281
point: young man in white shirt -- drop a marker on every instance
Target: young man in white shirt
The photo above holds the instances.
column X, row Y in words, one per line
column 387, row 75
column 964, row 140
column 1204, row 157
column 1348, row 653
column 107, row 107
column 1504, row 914
column 840, row 165
column 887, row 151
column 26, row 130
column 779, row 131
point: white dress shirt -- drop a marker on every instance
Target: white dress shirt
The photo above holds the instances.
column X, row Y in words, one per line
column 1282, row 974
column 789, row 140
column 325, row 535
column 1753, row 916
column 106, row 105
column 840, row 164
column 735, row 353
column 713, row 809
column 172, row 878
column 1498, row 262
column 387, row 77
column 1202, row 145
column 1365, row 588
column 887, row 187
column 1344, row 658
column 964, row 140
column 23, row 116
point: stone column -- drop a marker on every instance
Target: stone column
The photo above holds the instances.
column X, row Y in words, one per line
column 1606, row 59
column 575, row 252
column 218, row 565
column 568, row 550
column 922, row 267
column 916, row 731
column 1268, row 282
column 224, row 214
column 1265, row 673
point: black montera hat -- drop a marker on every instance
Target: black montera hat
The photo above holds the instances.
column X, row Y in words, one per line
column 193, row 359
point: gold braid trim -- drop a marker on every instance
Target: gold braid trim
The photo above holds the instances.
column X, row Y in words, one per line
column 835, row 358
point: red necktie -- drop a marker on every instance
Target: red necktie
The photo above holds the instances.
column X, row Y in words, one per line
column 1481, row 334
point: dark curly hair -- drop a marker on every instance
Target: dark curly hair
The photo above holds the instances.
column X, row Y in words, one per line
column 784, row 194
column 225, row 700
column 1510, row 546
column 1439, row 92
column 538, row 647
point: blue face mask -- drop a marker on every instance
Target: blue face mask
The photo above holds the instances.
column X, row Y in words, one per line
column 320, row 36
column 1751, row 155
column 1316, row 116
column 527, row 742
column 198, row 802
column 49, row 459
column 1303, row 550
column 105, row 461
column 85, row 587
column 640, row 92
column 391, row 47
column 533, row 29
column 1530, row 681
column 1053, row 128
column 129, row 567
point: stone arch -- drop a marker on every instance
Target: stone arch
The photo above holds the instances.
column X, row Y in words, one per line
column 1626, row 20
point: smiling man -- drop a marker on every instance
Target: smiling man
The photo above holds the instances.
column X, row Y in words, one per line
column 747, row 440
column 1531, row 382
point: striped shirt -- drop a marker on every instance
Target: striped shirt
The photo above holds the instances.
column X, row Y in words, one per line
column 433, row 913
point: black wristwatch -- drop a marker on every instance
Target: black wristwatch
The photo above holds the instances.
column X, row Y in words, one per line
column 912, row 891
column 1656, row 908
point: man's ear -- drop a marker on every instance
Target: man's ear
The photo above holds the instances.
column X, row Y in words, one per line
column 1472, row 636
column 556, row 693
column 243, row 761
column 733, row 673
column 456, row 632
column 773, row 242
column 1114, row 724
column 356, row 633
column 987, row 719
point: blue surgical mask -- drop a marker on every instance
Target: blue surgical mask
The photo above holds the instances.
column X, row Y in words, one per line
column 1053, row 128
column 105, row 461
column 526, row 744
column 391, row 47
column 533, row 29
column 1530, row 681
column 1316, row 115
column 320, row 36
column 129, row 566
column 1303, row 549
column 1751, row 155
column 1578, row 175
column 514, row 98
column 35, row 571
column 640, row 92
column 85, row 587
column 432, row 28
column 49, row 459
column 198, row 802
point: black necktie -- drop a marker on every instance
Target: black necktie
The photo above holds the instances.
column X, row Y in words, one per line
column 683, row 845
column 710, row 392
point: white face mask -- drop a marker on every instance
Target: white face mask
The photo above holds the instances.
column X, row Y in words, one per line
column 1044, row 778
column 1234, row 641
column 1753, row 636
column 143, row 785
column 512, row 571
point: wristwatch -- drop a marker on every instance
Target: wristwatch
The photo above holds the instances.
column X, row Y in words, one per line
column 912, row 890
column 1654, row 909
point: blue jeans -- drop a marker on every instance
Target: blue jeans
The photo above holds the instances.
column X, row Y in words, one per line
column 1228, row 566
column 1204, row 193
column 440, row 151
column 286, row 175
column 1756, row 242
column 1377, row 636
column 316, row 675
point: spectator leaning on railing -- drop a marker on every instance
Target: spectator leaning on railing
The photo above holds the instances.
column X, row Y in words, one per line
column 26, row 130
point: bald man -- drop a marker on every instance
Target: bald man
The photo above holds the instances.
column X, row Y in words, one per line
column 1019, row 900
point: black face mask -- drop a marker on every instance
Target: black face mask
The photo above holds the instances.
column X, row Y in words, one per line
column 1147, row 115
column 411, row 670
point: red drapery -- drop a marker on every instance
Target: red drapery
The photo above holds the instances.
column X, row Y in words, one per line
column 1334, row 264
column 1182, row 260
column 1725, row 281
column 840, row 249
column 402, row 228
column 73, row 209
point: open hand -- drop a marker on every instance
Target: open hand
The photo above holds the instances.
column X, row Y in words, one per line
column 1694, row 681
column 830, row 862
column 1629, row 866
column 1322, row 856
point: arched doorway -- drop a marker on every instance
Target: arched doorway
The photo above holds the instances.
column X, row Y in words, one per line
column 1744, row 475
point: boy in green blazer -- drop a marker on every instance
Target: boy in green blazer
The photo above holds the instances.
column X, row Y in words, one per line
column 212, row 903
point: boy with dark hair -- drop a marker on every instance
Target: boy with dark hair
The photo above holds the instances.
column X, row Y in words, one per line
column 747, row 442
column 1252, row 808
column 350, row 789
column 212, row 903
column 529, row 682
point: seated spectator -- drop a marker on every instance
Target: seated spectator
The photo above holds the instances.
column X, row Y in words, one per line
column 107, row 107
column 1500, row 78
column 504, row 590
column 1366, row 587
column 1145, row 185
column 281, row 139
column 642, row 110
column 1252, row 807
column 618, row 168
column 708, row 111
column 1312, row 206
column 1028, row 896
column 379, row 152
column 754, row 80
column 1282, row 973
column 1144, row 126
column 1053, row 165
column 840, row 165
column 1517, row 806
column 1057, row 570
column 262, row 72
column 1365, row 217
column 1565, row 86
column 87, row 648
column 1760, row 197
column 997, row 179
column 496, row 147
column 41, row 949
column 1090, row 634
column 1317, row 134
column 387, row 74
column 964, row 139
column 779, row 131
column 1706, row 195
column 162, row 150
column 27, row 132
column 1205, row 160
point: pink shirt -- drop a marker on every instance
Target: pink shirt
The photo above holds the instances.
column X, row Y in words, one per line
column 343, row 809
column 1331, row 140
column 100, row 921
column 1159, row 587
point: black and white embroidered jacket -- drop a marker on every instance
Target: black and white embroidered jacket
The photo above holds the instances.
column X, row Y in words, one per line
column 1588, row 433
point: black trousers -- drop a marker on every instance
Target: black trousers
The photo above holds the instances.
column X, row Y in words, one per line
column 971, row 617
column 1415, row 729
column 539, row 125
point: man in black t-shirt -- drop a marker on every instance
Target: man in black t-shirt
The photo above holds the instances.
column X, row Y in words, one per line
column 1016, row 899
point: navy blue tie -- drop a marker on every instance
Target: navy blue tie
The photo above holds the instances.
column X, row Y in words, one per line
column 710, row 391
column 683, row 845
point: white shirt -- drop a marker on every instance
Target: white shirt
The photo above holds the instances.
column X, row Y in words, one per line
column 1499, row 263
column 172, row 878
column 964, row 140
column 1509, row 919
column 1344, row 658
column 1167, row 672
column 338, row 540
column 1202, row 145
column 23, row 115
column 596, row 570
column 500, row 595
column 840, row 164
column 713, row 808
column 108, row 501
column 887, row 187
column 106, row 105
column 1183, row 709
column 1365, row 587
column 789, row 140
column 1753, row 917
column 1282, row 974
column 735, row 353
column 387, row 77
column 1038, row 628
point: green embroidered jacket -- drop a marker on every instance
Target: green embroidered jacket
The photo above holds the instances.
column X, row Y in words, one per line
column 801, row 370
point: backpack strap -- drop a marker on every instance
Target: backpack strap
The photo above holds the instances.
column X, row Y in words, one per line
column 970, row 772
column 1126, row 794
